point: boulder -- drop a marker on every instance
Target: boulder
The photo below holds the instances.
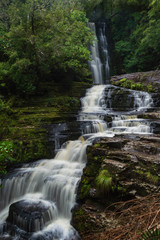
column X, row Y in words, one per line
column 143, row 81
column 30, row 215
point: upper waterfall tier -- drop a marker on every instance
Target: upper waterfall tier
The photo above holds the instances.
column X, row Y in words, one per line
column 99, row 54
column 98, row 103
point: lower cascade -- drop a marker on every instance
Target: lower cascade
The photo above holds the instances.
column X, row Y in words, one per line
column 37, row 200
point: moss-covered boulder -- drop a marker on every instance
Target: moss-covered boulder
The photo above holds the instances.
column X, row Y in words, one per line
column 119, row 99
column 142, row 81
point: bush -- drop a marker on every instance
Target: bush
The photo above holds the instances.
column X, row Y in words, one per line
column 6, row 155
column 23, row 76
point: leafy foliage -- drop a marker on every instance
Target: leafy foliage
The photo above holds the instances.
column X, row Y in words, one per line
column 6, row 155
column 89, row 5
column 43, row 39
column 136, row 30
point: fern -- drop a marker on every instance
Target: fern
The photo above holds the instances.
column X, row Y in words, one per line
column 104, row 182
column 152, row 234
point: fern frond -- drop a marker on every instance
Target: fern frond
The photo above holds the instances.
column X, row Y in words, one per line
column 152, row 234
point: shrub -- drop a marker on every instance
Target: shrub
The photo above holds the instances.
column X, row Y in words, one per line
column 6, row 155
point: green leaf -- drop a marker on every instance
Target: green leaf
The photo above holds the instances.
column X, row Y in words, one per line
column 152, row 234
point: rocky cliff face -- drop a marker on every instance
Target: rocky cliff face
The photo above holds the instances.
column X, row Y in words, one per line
column 133, row 164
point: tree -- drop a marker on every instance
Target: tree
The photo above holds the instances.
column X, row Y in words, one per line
column 46, row 37
column 136, row 38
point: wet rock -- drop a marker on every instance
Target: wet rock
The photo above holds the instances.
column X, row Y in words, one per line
column 153, row 115
column 156, row 127
column 59, row 133
column 108, row 119
column 30, row 215
column 111, row 164
column 6, row 238
column 93, row 192
column 119, row 99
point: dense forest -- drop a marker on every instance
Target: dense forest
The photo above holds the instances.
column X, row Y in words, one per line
column 39, row 39
column 135, row 27
column 45, row 41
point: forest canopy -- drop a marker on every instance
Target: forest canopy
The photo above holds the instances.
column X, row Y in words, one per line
column 39, row 38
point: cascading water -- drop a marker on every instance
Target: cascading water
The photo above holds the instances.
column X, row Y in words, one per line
column 103, row 45
column 99, row 69
column 128, row 122
column 36, row 200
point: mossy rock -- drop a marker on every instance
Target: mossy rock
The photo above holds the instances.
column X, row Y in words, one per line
column 82, row 221
column 122, row 99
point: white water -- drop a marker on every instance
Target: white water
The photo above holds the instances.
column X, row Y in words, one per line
column 54, row 182
column 121, row 123
column 99, row 70
column 104, row 46
column 129, row 123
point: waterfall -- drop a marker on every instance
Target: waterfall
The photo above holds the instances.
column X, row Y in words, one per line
column 100, row 70
column 49, row 186
column 103, row 45
column 129, row 123
column 36, row 200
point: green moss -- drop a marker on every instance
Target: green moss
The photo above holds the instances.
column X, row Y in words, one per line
column 120, row 99
column 97, row 145
column 148, row 176
column 91, row 170
column 137, row 84
column 133, row 85
column 79, row 212
column 150, row 88
column 119, row 190
column 21, row 120
column 83, row 222
column 123, row 80
column 140, row 172
column 152, row 178
column 30, row 140
column 104, row 182
column 85, row 190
